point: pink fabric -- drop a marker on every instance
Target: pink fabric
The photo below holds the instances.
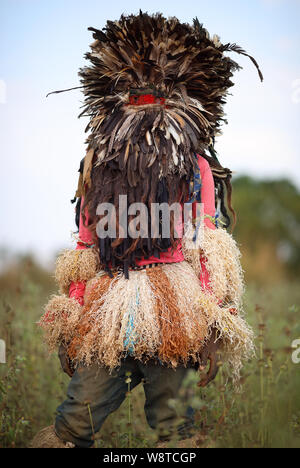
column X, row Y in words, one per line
column 77, row 289
column 170, row 256
column 207, row 191
column 85, row 234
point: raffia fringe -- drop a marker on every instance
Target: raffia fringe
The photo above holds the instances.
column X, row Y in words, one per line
column 75, row 265
column 61, row 312
column 222, row 262
column 236, row 336
column 161, row 312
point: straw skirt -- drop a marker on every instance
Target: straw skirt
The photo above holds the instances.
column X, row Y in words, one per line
column 161, row 312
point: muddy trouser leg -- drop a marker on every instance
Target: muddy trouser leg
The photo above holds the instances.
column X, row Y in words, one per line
column 92, row 395
column 162, row 384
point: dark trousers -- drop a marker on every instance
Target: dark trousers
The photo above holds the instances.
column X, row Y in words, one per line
column 94, row 393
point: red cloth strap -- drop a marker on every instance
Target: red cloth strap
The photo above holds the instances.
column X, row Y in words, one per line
column 139, row 100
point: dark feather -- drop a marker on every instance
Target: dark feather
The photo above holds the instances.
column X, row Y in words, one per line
column 148, row 152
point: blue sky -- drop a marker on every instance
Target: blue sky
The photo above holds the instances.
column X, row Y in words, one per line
column 42, row 44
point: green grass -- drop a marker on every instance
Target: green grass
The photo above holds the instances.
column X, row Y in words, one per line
column 265, row 412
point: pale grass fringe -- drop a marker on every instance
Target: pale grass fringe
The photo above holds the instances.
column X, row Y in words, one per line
column 60, row 316
column 106, row 339
column 186, row 287
column 110, row 318
column 227, row 284
column 191, row 248
column 223, row 263
column 235, row 334
column 237, row 339
column 75, row 265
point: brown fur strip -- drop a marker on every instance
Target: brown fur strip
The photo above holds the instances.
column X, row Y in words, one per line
column 174, row 340
column 95, row 291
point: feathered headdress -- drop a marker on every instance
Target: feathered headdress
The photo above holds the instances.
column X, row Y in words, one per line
column 154, row 93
